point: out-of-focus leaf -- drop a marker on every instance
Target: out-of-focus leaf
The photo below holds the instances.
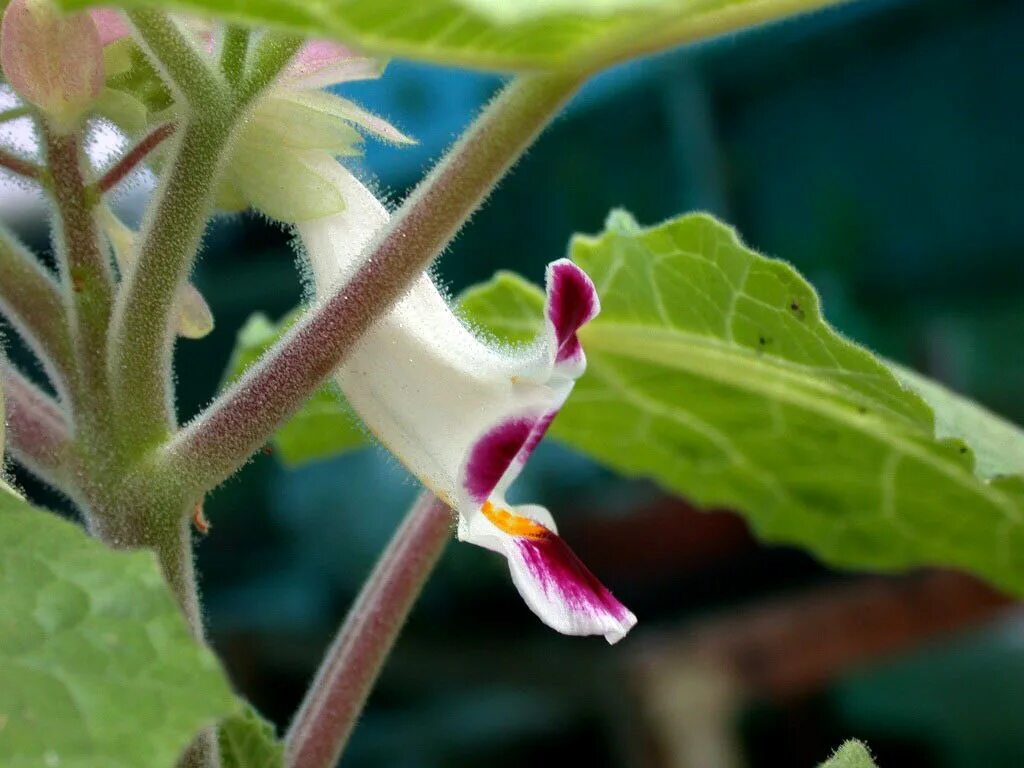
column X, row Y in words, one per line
column 4, row 487
column 325, row 426
column 998, row 445
column 852, row 754
column 712, row 371
column 123, row 110
column 249, row 741
column 501, row 34
column 97, row 665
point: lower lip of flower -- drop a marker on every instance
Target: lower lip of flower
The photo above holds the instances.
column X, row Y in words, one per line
column 555, row 567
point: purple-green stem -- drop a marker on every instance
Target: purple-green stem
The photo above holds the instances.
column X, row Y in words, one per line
column 20, row 165
column 37, row 432
column 325, row 720
column 88, row 283
column 212, row 447
column 131, row 159
column 31, row 300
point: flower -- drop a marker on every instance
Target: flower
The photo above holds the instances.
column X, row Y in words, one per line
column 295, row 130
column 53, row 61
column 464, row 415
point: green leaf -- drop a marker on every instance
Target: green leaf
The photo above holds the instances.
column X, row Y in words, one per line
column 249, row 741
column 500, row 34
column 97, row 664
column 123, row 110
column 998, row 445
column 325, row 426
column 4, row 488
column 852, row 754
column 712, row 371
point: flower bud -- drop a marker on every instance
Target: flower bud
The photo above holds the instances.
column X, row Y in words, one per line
column 195, row 320
column 54, row 61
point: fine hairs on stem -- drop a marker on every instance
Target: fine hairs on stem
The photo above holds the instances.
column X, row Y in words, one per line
column 333, row 702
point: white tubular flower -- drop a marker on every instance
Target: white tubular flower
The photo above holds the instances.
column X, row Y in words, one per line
column 463, row 415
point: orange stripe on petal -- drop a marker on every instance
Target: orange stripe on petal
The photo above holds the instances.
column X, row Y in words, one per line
column 513, row 525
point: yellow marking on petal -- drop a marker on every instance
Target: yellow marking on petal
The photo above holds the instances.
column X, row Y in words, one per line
column 514, row 525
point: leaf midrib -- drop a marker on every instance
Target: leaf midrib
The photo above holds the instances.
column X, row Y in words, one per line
column 693, row 352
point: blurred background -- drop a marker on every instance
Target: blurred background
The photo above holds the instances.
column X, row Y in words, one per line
column 878, row 148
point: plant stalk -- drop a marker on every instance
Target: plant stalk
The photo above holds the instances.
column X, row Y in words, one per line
column 31, row 300
column 131, row 159
column 37, row 432
column 19, row 165
column 88, row 282
column 143, row 331
column 238, row 423
column 233, row 53
column 14, row 113
column 273, row 53
column 326, row 718
column 178, row 58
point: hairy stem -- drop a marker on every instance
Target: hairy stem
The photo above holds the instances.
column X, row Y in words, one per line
column 137, row 515
column 233, row 53
column 14, row 113
column 182, row 63
column 131, row 512
column 31, row 300
column 270, row 57
column 143, row 332
column 343, row 682
column 87, row 278
column 20, row 165
column 37, row 433
column 220, row 440
column 203, row 752
column 131, row 159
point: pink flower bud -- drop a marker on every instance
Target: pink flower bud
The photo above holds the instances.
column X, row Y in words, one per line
column 54, row 61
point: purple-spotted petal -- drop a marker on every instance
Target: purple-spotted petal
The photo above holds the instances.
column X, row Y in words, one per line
column 572, row 302
column 496, row 459
column 561, row 590
column 492, row 455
